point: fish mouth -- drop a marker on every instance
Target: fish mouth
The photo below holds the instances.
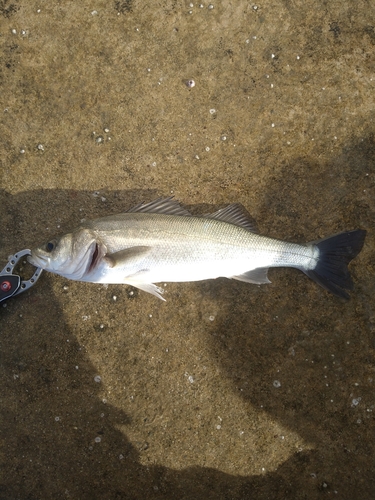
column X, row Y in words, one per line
column 38, row 260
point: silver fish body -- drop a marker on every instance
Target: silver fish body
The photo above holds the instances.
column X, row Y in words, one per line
column 163, row 242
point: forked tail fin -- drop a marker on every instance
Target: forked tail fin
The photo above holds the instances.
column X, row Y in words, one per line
column 335, row 253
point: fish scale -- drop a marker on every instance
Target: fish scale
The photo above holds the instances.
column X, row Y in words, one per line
column 203, row 242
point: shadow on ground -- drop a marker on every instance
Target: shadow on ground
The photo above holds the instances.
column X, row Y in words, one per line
column 319, row 348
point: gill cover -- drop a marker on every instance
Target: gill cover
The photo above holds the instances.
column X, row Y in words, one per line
column 73, row 255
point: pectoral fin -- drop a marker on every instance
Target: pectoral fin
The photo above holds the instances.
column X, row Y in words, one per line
column 124, row 256
column 257, row 276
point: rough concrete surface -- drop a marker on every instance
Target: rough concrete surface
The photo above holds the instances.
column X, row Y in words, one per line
column 227, row 390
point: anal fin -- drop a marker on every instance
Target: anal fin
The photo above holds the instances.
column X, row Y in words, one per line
column 257, row 276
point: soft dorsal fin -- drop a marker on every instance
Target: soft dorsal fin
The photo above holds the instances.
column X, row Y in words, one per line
column 235, row 214
column 166, row 206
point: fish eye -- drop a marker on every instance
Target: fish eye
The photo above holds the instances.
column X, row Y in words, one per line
column 50, row 246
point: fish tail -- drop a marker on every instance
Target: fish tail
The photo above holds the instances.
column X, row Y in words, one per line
column 335, row 252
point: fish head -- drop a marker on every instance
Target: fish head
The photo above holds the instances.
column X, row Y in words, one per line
column 73, row 255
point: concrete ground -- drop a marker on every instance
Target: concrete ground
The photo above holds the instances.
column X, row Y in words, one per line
column 227, row 390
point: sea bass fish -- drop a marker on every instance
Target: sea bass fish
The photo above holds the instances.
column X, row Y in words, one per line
column 161, row 241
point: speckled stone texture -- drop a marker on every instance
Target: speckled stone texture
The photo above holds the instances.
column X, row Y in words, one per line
column 227, row 390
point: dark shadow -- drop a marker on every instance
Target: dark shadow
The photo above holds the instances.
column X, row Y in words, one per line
column 321, row 349
column 51, row 411
column 291, row 331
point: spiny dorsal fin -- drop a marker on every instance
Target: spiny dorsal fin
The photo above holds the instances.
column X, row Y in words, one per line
column 235, row 214
column 166, row 206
